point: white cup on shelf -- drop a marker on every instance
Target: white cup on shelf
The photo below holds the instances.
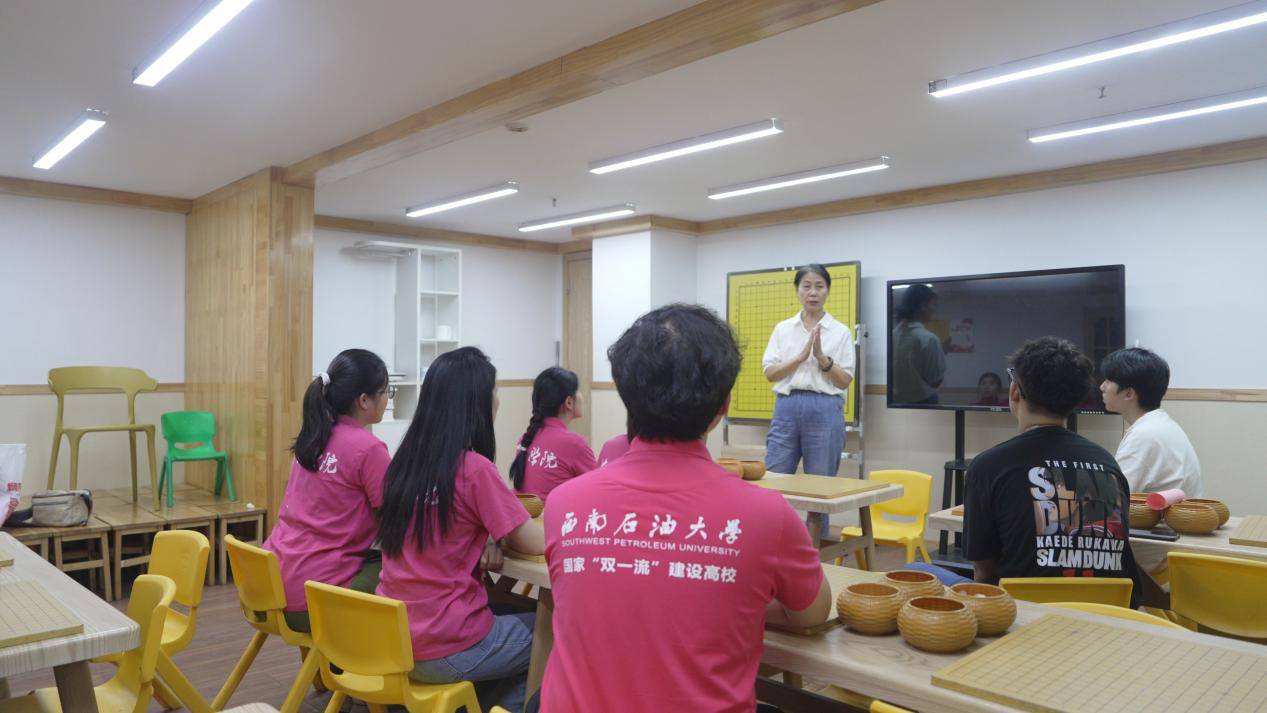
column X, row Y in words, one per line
column 444, row 332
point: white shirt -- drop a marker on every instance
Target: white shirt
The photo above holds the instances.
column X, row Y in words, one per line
column 1155, row 454
column 787, row 341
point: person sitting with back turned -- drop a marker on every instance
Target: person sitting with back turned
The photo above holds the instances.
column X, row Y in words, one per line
column 665, row 567
column 1155, row 454
column 1047, row 502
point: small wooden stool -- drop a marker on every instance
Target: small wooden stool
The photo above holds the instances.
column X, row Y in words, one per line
column 138, row 525
column 191, row 517
column 95, row 535
column 38, row 539
column 233, row 514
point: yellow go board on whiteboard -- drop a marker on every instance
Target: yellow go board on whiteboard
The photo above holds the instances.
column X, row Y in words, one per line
column 758, row 300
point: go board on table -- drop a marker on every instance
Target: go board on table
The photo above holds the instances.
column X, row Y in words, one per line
column 1252, row 531
column 1059, row 664
column 820, row 486
column 6, row 559
column 837, row 578
column 29, row 613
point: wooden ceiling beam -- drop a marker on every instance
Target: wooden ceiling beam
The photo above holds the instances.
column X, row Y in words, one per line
column 85, row 194
column 702, row 30
column 374, row 227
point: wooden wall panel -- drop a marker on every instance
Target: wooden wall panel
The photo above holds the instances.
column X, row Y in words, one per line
column 248, row 325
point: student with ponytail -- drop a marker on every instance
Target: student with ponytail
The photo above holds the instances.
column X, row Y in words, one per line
column 445, row 507
column 549, row 454
column 325, row 527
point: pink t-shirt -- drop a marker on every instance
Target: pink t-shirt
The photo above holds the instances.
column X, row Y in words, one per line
column 662, row 564
column 440, row 586
column 326, row 522
column 615, row 447
column 555, row 456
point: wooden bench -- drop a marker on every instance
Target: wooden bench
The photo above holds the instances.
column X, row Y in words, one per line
column 39, row 539
column 238, row 515
column 132, row 531
column 95, row 535
column 182, row 516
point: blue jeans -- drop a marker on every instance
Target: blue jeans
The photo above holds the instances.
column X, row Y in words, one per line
column 946, row 577
column 810, row 427
column 497, row 665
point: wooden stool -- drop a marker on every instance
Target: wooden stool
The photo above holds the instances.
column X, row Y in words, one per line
column 95, row 532
column 181, row 516
column 229, row 514
column 38, row 539
column 136, row 524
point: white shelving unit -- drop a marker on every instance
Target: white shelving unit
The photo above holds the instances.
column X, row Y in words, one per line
column 428, row 322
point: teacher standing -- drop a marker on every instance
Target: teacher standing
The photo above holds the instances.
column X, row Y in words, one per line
column 810, row 360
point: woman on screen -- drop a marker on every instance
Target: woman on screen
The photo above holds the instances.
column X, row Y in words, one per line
column 810, row 360
column 919, row 364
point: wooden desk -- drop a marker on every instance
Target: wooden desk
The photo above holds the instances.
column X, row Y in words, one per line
column 106, row 631
column 820, row 509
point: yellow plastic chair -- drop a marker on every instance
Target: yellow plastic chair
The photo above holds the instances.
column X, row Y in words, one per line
column 917, row 489
column 882, row 707
column 367, row 638
column 1117, row 613
column 262, row 597
column 69, row 379
column 132, row 686
column 1219, row 595
column 1114, row 591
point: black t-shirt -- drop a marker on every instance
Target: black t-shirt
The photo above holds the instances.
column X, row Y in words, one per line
column 1049, row 503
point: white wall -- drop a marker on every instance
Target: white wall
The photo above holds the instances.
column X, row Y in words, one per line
column 622, row 291
column 673, row 269
column 511, row 303
column 86, row 284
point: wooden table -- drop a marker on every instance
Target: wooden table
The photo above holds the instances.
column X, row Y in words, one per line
column 1215, row 543
column 106, row 631
column 820, row 509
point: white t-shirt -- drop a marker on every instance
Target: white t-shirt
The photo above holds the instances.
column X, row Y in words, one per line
column 789, row 338
column 1155, row 454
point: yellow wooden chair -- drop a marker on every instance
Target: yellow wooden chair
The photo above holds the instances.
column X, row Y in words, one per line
column 1220, row 595
column 1114, row 591
column 262, row 597
column 367, row 638
column 132, row 686
column 69, row 379
column 916, row 491
column 1117, row 613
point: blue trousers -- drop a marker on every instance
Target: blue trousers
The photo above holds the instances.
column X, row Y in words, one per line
column 807, row 427
column 497, row 665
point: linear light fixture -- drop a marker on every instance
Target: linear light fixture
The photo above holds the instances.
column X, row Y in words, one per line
column 212, row 17
column 86, row 125
column 796, row 179
column 1152, row 115
column 589, row 216
column 1172, row 33
column 484, row 194
column 695, row 144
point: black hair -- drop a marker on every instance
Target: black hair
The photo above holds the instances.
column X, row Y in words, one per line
column 814, row 268
column 1139, row 369
column 352, row 373
column 913, row 300
column 550, row 390
column 674, row 369
column 454, row 415
column 991, row 375
column 1054, row 377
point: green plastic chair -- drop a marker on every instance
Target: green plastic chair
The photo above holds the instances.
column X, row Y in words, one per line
column 198, row 428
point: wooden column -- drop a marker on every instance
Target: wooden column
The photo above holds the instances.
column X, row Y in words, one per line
column 248, row 325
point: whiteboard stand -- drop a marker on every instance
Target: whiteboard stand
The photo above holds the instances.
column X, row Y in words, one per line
column 859, row 455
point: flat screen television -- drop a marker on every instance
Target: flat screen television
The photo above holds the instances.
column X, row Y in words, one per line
column 949, row 337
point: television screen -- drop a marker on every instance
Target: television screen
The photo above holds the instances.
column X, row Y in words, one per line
column 949, row 337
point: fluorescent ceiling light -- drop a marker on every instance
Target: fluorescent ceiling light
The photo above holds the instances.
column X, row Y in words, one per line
column 217, row 14
column 703, row 142
column 484, row 194
column 1193, row 28
column 796, row 179
column 86, row 125
column 1152, row 115
column 589, row 216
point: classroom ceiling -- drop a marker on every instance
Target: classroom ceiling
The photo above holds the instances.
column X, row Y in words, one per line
column 847, row 88
column 284, row 80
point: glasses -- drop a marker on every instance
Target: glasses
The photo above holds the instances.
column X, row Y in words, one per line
column 390, row 391
column 1012, row 375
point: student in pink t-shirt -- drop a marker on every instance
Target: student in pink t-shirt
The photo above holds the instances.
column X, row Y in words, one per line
column 445, row 507
column 614, row 447
column 325, row 527
column 550, row 454
column 665, row 568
